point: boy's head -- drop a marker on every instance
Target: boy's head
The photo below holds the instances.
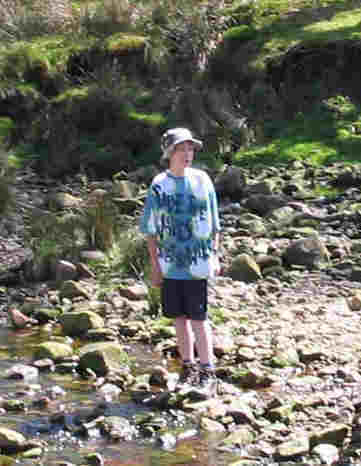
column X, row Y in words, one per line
column 175, row 136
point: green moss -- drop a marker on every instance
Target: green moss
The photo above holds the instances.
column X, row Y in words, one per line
column 51, row 51
column 240, row 33
column 75, row 93
column 121, row 42
column 6, row 126
column 277, row 36
column 327, row 134
column 151, row 119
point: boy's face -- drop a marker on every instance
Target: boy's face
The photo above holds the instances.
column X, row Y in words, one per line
column 182, row 155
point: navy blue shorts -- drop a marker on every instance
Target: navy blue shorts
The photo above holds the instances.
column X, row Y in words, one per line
column 185, row 298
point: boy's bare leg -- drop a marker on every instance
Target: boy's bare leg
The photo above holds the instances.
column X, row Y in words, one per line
column 185, row 338
column 204, row 341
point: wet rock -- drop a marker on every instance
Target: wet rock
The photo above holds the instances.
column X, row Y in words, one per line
column 284, row 357
column 136, row 292
column 354, row 301
column 44, row 315
column 66, row 367
column 93, row 255
column 263, row 187
column 252, row 223
column 125, row 189
column 109, row 391
column 213, row 408
column 44, row 364
column 11, row 441
column 240, row 412
column 71, row 289
column 167, row 441
column 84, row 272
column 102, row 358
column 60, row 201
column 328, row 454
column 12, row 259
column 209, row 425
column 117, row 428
column 64, row 270
column 14, row 405
column 32, row 453
column 94, row 459
column 79, row 323
column 293, row 448
column 251, row 377
column 282, row 414
column 127, row 206
column 7, row 460
column 281, row 215
column 20, row 320
column 334, row 434
column 240, row 437
column 159, row 376
column 23, row 372
column 53, row 350
column 309, row 353
column 223, row 343
column 101, row 334
column 122, row 377
column 153, row 425
column 129, row 329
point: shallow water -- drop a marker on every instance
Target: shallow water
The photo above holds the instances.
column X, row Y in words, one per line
column 17, row 347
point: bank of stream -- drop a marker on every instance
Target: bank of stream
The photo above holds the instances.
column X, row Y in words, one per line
column 286, row 320
column 73, row 397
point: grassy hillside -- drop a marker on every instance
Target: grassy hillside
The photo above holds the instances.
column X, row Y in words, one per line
column 166, row 53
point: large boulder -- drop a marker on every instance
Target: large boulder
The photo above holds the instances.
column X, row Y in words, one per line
column 307, row 252
column 231, row 182
column 11, row 441
column 102, row 358
column 53, row 350
column 263, row 204
column 244, row 268
column 79, row 323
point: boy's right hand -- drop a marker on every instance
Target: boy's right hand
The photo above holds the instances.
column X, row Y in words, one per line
column 156, row 276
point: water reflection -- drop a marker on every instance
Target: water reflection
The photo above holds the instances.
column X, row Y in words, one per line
column 62, row 438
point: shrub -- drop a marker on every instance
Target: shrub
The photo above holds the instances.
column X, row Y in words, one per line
column 185, row 34
column 134, row 252
column 240, row 33
column 6, row 194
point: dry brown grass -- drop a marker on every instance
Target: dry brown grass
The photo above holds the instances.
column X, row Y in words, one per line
column 40, row 16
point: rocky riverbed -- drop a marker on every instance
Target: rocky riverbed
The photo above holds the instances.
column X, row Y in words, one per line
column 285, row 313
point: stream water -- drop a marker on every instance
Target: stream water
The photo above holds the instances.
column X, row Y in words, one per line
column 195, row 449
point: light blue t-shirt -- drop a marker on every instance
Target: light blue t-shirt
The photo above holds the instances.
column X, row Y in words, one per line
column 182, row 212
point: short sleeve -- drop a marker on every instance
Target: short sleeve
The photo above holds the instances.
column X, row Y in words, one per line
column 216, row 226
column 147, row 223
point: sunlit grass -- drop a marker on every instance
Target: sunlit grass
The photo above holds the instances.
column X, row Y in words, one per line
column 281, row 34
column 6, row 125
column 329, row 134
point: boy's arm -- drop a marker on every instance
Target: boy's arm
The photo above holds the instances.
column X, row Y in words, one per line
column 156, row 272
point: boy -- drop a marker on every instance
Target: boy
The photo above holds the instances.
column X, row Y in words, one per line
column 182, row 226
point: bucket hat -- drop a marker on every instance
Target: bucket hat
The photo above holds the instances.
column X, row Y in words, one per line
column 175, row 136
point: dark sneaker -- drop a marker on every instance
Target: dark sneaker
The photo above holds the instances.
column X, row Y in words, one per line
column 188, row 377
column 206, row 388
column 208, row 382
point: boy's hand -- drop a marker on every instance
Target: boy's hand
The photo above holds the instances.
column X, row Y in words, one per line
column 156, row 276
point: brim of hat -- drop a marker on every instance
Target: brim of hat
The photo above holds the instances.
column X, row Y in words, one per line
column 196, row 142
